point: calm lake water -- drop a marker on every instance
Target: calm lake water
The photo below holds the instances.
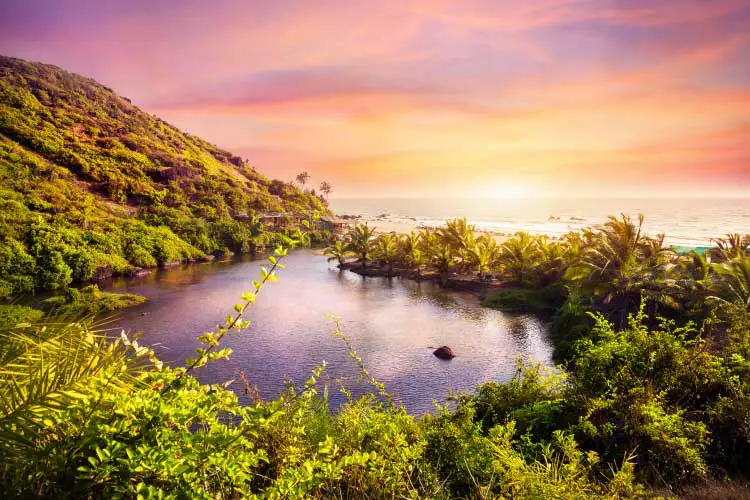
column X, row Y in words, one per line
column 391, row 324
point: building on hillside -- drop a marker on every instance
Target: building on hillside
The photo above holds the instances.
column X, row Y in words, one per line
column 272, row 220
column 280, row 220
column 334, row 224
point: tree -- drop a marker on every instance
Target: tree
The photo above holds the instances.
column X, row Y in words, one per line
column 519, row 256
column 733, row 246
column 338, row 252
column 412, row 253
column 483, row 254
column 326, row 189
column 614, row 266
column 696, row 266
column 444, row 260
column 459, row 235
column 386, row 249
column 359, row 242
column 302, row 178
column 731, row 283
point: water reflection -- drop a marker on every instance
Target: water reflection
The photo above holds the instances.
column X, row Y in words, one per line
column 391, row 322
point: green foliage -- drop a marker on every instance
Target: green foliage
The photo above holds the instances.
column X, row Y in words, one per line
column 16, row 269
column 12, row 315
column 85, row 415
column 89, row 301
column 337, row 251
column 359, row 242
column 536, row 300
column 91, row 186
column 570, row 323
column 531, row 399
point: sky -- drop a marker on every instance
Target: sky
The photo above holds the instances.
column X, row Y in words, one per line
column 459, row 98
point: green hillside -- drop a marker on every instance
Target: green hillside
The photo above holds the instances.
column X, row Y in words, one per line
column 91, row 185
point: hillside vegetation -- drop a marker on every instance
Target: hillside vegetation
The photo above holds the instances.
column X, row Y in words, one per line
column 639, row 412
column 92, row 185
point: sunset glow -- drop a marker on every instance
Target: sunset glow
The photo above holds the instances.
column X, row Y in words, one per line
column 430, row 98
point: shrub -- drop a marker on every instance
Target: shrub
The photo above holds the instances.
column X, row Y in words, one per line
column 12, row 315
column 531, row 300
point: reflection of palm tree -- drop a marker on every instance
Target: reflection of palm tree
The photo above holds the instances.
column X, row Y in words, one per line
column 387, row 250
column 338, row 252
column 359, row 242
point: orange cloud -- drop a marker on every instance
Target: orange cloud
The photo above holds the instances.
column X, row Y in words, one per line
column 552, row 95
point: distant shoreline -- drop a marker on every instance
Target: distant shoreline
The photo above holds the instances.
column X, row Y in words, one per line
column 401, row 225
column 686, row 222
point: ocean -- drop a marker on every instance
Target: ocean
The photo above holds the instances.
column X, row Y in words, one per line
column 685, row 222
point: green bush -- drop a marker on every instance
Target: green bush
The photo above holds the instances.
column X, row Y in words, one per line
column 85, row 175
column 12, row 315
column 106, row 418
column 527, row 300
column 89, row 301
column 17, row 269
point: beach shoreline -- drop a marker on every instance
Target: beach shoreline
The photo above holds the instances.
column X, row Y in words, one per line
column 390, row 224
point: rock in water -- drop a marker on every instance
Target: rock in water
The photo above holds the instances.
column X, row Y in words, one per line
column 444, row 352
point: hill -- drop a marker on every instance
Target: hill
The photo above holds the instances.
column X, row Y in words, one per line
column 92, row 185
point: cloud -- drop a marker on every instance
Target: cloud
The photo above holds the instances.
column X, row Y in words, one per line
column 546, row 92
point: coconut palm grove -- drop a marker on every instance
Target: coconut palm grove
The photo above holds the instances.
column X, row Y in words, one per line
column 647, row 394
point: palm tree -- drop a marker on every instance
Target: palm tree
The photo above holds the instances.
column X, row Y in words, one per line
column 326, row 189
column 459, row 235
column 359, row 242
column 429, row 242
column 655, row 253
column 407, row 244
column 554, row 257
column 418, row 260
column 696, row 266
column 386, row 249
column 302, row 178
column 410, row 241
column 338, row 252
column 483, row 254
column 613, row 267
column 519, row 256
column 44, row 369
column 691, row 278
column 444, row 260
column 732, row 247
column 731, row 283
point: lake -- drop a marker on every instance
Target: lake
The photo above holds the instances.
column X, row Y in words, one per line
column 391, row 323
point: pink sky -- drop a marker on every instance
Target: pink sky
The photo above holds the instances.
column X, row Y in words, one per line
column 424, row 98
